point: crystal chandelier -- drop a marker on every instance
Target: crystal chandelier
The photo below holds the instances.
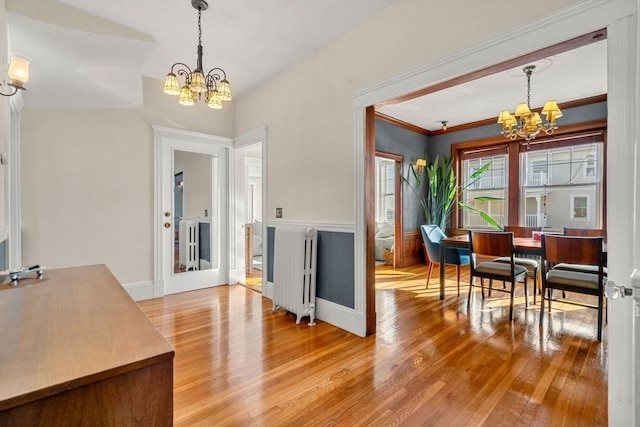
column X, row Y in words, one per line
column 214, row 86
column 525, row 123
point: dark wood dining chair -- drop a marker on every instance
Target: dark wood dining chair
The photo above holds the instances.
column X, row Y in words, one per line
column 530, row 262
column 573, row 250
column 583, row 232
column 489, row 245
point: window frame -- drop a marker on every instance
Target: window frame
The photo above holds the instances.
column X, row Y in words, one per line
column 565, row 136
column 572, row 208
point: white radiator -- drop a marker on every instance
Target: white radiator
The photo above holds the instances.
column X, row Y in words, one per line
column 294, row 271
column 188, row 250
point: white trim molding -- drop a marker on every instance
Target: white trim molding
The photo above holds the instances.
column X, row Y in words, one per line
column 338, row 227
column 139, row 291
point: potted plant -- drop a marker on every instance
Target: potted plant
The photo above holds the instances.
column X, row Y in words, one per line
column 440, row 193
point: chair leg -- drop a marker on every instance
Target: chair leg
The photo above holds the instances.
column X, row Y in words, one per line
column 490, row 287
column 429, row 274
column 458, row 277
column 511, row 301
column 535, row 285
column 470, row 289
column 541, row 306
column 526, row 292
column 600, row 304
column 549, row 296
column 482, row 286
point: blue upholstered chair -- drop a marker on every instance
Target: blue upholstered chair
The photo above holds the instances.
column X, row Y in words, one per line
column 431, row 237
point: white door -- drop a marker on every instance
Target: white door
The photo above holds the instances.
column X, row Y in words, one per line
column 191, row 211
column 623, row 220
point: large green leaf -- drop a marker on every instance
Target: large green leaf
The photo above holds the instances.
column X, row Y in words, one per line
column 440, row 193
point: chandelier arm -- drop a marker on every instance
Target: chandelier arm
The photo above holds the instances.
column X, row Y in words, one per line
column 224, row 75
column 212, row 81
column 181, row 72
column 15, row 90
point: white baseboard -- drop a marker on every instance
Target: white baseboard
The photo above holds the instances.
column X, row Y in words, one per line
column 338, row 315
column 237, row 275
column 343, row 317
column 267, row 290
column 139, row 291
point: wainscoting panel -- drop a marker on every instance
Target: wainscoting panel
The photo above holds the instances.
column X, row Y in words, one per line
column 412, row 253
column 335, row 279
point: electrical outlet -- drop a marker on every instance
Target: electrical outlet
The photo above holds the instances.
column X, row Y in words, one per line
column 278, row 212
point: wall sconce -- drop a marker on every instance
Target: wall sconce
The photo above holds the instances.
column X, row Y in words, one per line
column 420, row 165
column 18, row 73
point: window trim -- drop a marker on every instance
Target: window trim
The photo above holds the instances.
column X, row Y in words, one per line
column 564, row 136
column 573, row 208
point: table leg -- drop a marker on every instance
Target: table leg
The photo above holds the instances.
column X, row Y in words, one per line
column 442, row 270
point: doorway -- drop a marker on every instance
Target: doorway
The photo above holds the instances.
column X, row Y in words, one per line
column 248, row 212
column 253, row 220
column 388, row 245
column 191, row 220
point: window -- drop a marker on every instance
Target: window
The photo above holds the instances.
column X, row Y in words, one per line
column 487, row 192
column 553, row 183
column 385, row 189
column 580, row 208
column 553, row 176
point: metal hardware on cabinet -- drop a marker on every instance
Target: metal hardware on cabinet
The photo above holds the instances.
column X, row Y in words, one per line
column 167, row 225
column 167, row 214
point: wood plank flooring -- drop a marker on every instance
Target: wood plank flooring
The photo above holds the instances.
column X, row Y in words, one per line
column 431, row 363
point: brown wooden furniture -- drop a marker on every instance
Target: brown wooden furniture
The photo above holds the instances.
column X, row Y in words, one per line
column 528, row 261
column 585, row 232
column 585, row 251
column 75, row 349
column 521, row 245
column 488, row 244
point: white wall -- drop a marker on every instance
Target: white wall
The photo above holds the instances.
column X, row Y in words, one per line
column 309, row 111
column 87, row 175
column 87, row 181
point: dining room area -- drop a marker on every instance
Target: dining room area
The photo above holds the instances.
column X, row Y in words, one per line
column 497, row 370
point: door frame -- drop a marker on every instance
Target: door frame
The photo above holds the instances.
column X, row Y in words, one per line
column 622, row 22
column 236, row 216
column 398, row 222
column 190, row 140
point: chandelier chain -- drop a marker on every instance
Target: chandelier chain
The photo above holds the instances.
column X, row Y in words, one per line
column 529, row 89
column 199, row 27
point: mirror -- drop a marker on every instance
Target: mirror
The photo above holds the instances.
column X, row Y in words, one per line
column 192, row 211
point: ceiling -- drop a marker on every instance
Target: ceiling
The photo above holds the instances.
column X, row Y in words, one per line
column 93, row 54
column 575, row 74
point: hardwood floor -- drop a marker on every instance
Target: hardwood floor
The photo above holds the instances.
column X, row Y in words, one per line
column 431, row 362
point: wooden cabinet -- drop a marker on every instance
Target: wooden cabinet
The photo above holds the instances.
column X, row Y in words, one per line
column 76, row 350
